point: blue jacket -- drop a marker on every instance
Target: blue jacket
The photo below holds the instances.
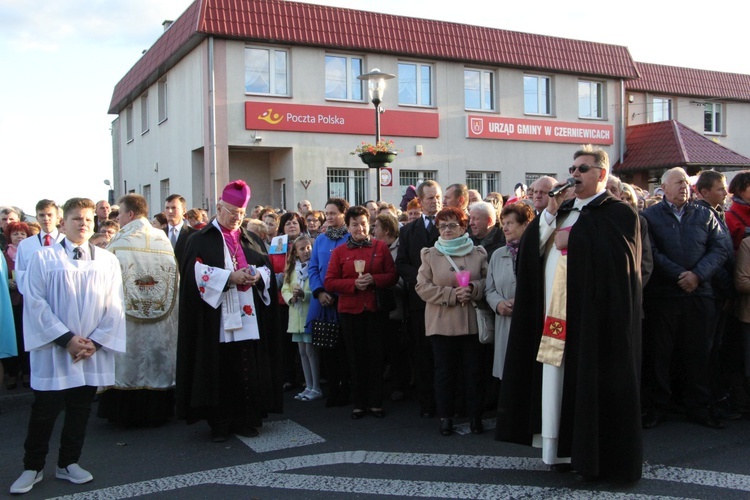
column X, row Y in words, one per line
column 317, row 268
column 692, row 243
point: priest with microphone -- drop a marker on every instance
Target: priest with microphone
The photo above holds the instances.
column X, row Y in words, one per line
column 571, row 377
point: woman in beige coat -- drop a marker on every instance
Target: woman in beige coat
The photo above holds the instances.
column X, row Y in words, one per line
column 742, row 284
column 450, row 317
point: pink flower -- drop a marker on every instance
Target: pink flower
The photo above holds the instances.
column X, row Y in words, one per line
column 205, row 277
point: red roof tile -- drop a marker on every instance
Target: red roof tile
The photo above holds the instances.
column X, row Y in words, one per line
column 296, row 23
column 673, row 80
column 671, row 144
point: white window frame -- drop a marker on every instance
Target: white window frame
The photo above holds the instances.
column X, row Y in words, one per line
column 164, row 190
column 129, row 124
column 486, row 86
column 144, row 113
column 717, row 127
column 414, row 178
column 163, row 98
column 421, row 71
column 146, row 192
column 352, row 184
column 278, row 78
column 485, row 182
column 595, row 99
column 659, row 104
column 542, row 99
column 532, row 176
column 354, row 86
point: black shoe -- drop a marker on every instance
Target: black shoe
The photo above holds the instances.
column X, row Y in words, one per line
column 357, row 414
column 427, row 414
column 446, row 426
column 245, row 431
column 377, row 413
column 650, row 419
column 561, row 468
column 476, row 425
column 586, row 478
column 219, row 435
column 707, row 420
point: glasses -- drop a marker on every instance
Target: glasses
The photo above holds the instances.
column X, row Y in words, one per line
column 582, row 168
column 238, row 215
column 449, row 225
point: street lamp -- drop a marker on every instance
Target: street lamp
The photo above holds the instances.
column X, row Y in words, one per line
column 376, row 87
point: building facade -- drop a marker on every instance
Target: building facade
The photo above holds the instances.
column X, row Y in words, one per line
column 267, row 91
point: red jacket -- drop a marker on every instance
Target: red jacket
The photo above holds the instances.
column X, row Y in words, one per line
column 738, row 217
column 341, row 275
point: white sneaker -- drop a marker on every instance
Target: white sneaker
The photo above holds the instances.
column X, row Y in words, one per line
column 74, row 473
column 27, row 481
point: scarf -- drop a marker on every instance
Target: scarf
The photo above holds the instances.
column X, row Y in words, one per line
column 457, row 247
column 301, row 269
column 11, row 251
column 336, row 233
column 513, row 249
column 350, row 243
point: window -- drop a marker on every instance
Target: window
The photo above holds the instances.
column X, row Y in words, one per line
column 662, row 109
column 147, row 193
column 712, row 115
column 479, row 89
column 484, row 182
column 414, row 84
column 414, row 178
column 162, row 96
column 590, row 100
column 144, row 113
column 164, row 190
column 266, row 71
column 532, row 176
column 536, row 95
column 129, row 123
column 350, row 184
column 341, row 78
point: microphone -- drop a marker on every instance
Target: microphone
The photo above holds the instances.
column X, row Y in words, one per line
column 562, row 187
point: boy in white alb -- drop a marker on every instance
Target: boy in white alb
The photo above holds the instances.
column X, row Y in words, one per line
column 73, row 325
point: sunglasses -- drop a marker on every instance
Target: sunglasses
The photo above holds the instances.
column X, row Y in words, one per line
column 582, row 168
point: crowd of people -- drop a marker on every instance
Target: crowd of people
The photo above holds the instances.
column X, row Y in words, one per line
column 575, row 313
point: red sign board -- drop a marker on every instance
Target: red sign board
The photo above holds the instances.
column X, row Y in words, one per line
column 386, row 177
column 339, row 120
column 516, row 129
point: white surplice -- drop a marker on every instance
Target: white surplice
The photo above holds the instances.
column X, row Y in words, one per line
column 26, row 249
column 239, row 319
column 79, row 296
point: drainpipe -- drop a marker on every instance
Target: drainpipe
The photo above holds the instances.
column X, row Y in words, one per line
column 622, row 121
column 213, row 194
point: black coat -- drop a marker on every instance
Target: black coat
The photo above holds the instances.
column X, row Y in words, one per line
column 600, row 425
column 412, row 238
column 179, row 248
column 198, row 385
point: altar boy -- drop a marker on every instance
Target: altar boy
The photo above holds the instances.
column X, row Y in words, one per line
column 73, row 324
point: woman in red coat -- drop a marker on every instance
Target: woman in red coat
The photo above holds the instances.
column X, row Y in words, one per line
column 738, row 215
column 356, row 269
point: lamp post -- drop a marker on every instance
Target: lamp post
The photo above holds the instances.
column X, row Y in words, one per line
column 376, row 87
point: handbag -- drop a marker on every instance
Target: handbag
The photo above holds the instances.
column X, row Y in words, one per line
column 326, row 330
column 485, row 315
column 385, row 298
column 485, row 324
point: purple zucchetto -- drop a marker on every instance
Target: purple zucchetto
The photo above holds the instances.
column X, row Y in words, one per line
column 236, row 193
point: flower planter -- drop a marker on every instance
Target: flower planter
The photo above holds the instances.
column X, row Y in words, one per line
column 378, row 160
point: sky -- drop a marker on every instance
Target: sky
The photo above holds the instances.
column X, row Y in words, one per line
column 61, row 59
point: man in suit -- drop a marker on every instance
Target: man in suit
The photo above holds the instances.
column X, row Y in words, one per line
column 177, row 228
column 7, row 215
column 413, row 237
column 103, row 210
column 47, row 215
